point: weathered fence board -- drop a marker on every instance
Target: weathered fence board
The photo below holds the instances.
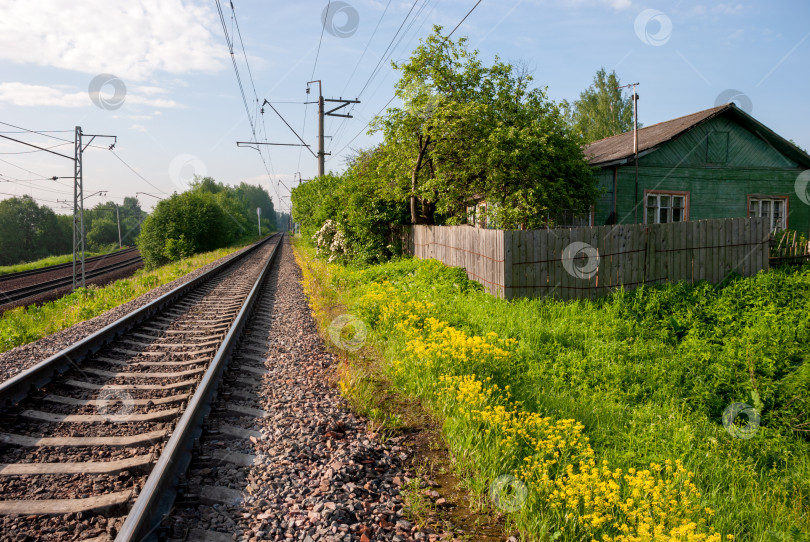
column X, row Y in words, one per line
column 584, row 263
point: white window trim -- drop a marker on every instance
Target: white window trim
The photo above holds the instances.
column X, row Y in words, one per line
column 771, row 199
column 657, row 194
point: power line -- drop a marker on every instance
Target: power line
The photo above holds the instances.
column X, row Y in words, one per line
column 144, row 179
column 32, row 197
column 38, row 150
column 392, row 98
column 364, row 127
column 366, row 49
column 22, row 168
column 318, row 53
column 375, row 70
column 42, row 133
column 462, row 20
column 230, row 43
column 422, row 8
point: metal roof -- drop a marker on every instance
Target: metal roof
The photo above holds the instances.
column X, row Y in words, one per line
column 618, row 149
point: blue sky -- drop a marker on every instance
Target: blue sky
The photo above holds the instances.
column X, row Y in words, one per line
column 182, row 111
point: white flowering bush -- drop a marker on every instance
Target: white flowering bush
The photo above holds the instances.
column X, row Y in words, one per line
column 330, row 242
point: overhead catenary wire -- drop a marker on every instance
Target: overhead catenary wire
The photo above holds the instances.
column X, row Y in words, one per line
column 22, row 168
column 376, row 68
column 320, row 41
column 363, row 54
column 144, row 179
column 270, row 170
column 392, row 98
column 38, row 150
column 341, row 127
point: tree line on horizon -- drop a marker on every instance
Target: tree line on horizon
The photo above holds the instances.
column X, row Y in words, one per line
column 209, row 215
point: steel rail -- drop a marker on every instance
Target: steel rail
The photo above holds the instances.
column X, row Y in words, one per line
column 9, row 296
column 157, row 495
column 21, row 385
column 59, row 266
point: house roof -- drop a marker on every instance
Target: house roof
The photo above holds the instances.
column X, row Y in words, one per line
column 618, row 149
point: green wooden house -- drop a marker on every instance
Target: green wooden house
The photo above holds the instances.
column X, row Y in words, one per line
column 717, row 163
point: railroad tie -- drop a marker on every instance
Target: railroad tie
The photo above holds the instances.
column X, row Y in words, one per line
column 138, row 462
column 114, row 441
column 130, row 374
column 104, row 402
column 53, row 417
column 53, row 507
column 91, row 386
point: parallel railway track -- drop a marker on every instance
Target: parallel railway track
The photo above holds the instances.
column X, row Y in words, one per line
column 89, row 262
column 17, row 286
column 97, row 436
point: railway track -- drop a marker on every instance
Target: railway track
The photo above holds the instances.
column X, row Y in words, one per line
column 94, row 439
column 62, row 266
column 17, row 286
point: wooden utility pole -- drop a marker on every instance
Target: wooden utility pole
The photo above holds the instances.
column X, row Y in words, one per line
column 635, row 142
column 321, row 114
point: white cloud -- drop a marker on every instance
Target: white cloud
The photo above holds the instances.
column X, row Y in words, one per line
column 137, row 128
column 130, row 40
column 615, row 4
column 729, row 9
column 35, row 95
column 25, row 95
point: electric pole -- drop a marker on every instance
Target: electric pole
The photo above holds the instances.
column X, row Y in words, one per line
column 78, row 203
column 331, row 113
column 78, row 198
column 118, row 219
column 635, row 141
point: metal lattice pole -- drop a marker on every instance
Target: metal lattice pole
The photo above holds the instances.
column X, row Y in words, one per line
column 78, row 207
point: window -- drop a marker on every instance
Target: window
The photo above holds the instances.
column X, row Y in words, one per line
column 771, row 207
column 664, row 207
column 477, row 215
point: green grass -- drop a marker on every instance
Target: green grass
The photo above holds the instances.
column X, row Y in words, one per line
column 27, row 324
column 648, row 373
column 44, row 262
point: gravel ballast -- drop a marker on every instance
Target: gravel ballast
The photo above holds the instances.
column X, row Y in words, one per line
column 320, row 474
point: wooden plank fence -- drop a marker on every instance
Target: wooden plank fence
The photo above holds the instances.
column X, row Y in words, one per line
column 584, row 263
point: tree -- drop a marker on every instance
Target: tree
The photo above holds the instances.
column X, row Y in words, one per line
column 253, row 197
column 210, row 215
column 467, row 131
column 103, row 234
column 602, row 109
column 29, row 231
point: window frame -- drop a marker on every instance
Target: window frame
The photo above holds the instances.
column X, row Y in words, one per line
column 686, row 205
column 770, row 197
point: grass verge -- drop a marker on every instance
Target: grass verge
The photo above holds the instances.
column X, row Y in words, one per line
column 604, row 420
column 434, row 497
column 27, row 324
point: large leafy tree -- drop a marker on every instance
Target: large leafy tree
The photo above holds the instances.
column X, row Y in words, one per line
column 29, row 231
column 467, row 131
column 602, row 110
column 208, row 216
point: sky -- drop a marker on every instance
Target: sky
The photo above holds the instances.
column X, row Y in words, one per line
column 158, row 75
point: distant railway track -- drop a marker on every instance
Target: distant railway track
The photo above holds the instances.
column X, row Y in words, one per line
column 42, row 270
column 98, row 434
column 39, row 285
column 17, row 294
